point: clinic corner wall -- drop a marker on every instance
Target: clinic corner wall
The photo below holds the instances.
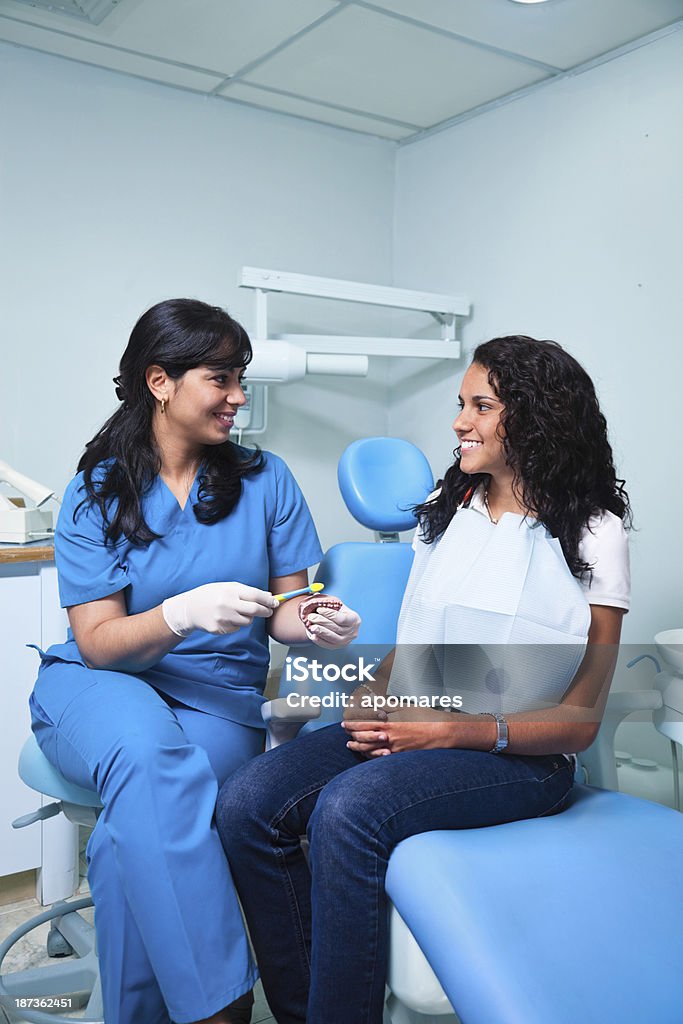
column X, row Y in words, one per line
column 559, row 215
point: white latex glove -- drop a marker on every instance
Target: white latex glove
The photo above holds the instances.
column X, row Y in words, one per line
column 329, row 623
column 217, row 608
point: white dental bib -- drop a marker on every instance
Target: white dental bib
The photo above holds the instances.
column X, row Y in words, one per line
column 493, row 613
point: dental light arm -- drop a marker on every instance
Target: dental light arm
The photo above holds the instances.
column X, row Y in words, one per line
column 38, row 493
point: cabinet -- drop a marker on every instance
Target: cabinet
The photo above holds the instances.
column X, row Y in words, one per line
column 29, row 613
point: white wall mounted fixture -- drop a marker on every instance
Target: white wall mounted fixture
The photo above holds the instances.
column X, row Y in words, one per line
column 443, row 308
column 285, row 358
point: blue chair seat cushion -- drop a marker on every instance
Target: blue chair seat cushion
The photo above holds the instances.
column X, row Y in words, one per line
column 38, row 773
column 498, row 910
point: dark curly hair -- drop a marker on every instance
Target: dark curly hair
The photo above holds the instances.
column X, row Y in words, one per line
column 120, row 462
column 554, row 439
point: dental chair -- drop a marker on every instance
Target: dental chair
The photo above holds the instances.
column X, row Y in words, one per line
column 573, row 918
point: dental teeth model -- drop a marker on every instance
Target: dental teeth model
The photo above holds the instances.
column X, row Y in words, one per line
column 311, row 606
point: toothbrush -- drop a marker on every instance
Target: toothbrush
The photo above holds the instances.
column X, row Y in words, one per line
column 314, row 588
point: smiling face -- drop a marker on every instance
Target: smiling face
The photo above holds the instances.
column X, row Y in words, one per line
column 201, row 405
column 478, row 425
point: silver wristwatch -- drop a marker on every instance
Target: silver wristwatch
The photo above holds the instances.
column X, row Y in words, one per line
column 501, row 733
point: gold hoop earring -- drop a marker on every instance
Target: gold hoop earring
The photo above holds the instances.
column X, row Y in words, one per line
column 163, row 406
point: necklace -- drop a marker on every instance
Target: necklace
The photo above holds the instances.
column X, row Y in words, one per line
column 191, row 477
column 181, row 487
column 487, row 507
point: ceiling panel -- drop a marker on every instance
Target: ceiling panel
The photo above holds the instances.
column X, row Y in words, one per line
column 380, row 65
column 65, row 45
column 304, row 108
column 374, row 58
column 219, row 35
column 562, row 32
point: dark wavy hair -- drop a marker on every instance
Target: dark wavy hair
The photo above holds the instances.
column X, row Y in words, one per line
column 554, row 438
column 120, row 462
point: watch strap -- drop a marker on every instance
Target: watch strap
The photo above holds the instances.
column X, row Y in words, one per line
column 502, row 733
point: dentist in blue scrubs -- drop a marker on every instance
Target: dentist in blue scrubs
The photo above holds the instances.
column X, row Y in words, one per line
column 170, row 544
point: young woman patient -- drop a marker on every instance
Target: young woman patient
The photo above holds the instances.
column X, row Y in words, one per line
column 522, row 550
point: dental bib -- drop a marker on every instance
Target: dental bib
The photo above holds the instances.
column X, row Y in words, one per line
column 491, row 613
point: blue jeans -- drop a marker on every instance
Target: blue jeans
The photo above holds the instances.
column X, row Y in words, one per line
column 319, row 927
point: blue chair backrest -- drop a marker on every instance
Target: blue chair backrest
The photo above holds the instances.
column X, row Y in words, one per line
column 380, row 479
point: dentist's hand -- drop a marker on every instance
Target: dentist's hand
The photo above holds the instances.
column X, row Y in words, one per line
column 329, row 623
column 217, row 608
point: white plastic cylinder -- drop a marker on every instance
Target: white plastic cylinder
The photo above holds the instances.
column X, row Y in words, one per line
column 276, row 362
column 58, row 875
column 281, row 362
column 337, row 364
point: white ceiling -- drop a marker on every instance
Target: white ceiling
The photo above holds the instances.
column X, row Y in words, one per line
column 393, row 68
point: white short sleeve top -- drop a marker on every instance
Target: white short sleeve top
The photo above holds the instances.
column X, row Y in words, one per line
column 603, row 546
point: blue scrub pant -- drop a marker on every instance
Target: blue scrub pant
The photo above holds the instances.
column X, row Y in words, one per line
column 170, row 936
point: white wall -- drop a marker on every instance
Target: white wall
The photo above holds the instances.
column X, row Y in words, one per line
column 560, row 216
column 116, row 193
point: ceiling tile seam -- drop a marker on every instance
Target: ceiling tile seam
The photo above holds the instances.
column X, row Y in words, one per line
column 518, row 94
column 106, row 46
column 324, row 103
column 445, row 33
column 196, row 91
column 304, row 117
column 283, row 45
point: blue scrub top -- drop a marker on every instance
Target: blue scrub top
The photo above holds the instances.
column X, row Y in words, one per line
column 269, row 533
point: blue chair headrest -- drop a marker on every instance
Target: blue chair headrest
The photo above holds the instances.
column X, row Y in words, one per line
column 380, row 479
